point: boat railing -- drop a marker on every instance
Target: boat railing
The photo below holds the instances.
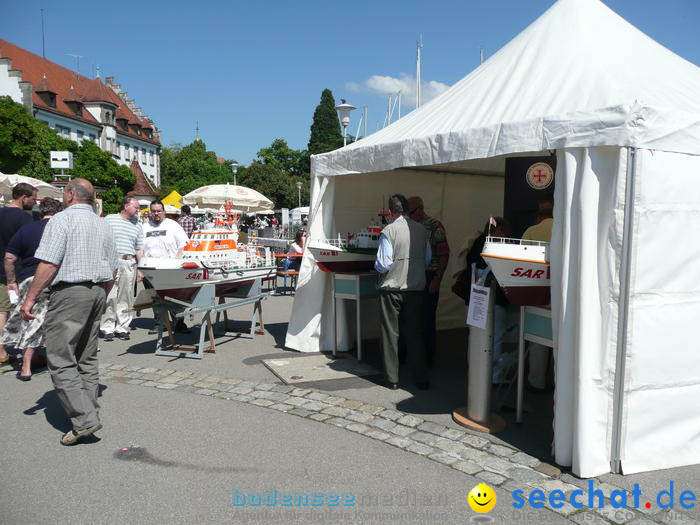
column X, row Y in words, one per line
column 510, row 240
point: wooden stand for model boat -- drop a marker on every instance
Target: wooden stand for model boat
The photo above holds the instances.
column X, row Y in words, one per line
column 205, row 302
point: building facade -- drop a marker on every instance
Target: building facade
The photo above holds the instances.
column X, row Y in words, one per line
column 81, row 108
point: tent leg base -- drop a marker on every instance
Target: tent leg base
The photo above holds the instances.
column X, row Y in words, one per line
column 495, row 424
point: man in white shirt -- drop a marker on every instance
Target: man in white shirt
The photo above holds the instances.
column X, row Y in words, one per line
column 163, row 237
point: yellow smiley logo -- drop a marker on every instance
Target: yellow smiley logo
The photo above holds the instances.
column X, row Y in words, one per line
column 482, row 498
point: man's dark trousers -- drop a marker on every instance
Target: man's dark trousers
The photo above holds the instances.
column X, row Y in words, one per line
column 402, row 313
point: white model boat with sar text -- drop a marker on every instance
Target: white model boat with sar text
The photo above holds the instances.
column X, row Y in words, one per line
column 521, row 267
column 211, row 256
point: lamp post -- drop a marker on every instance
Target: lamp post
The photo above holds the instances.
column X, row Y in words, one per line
column 344, row 109
column 299, row 192
column 234, row 169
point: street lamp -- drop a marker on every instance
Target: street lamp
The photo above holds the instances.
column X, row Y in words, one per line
column 299, row 192
column 234, row 169
column 344, row 108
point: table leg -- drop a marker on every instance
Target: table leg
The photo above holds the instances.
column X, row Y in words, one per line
column 358, row 323
column 521, row 367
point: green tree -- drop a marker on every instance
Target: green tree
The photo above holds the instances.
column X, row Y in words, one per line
column 325, row 128
column 25, row 142
column 189, row 167
column 271, row 182
column 280, row 156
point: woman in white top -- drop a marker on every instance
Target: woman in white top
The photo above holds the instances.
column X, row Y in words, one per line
column 297, row 248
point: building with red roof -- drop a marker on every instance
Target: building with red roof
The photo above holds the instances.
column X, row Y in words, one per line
column 82, row 108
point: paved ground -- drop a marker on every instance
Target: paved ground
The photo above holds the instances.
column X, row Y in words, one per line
column 197, row 431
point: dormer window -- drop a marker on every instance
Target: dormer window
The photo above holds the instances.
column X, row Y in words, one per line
column 48, row 98
column 123, row 123
column 75, row 106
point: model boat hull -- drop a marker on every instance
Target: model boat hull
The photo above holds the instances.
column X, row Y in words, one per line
column 331, row 258
column 170, row 279
column 521, row 268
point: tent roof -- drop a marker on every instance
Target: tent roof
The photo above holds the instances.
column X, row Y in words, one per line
column 173, row 198
column 580, row 75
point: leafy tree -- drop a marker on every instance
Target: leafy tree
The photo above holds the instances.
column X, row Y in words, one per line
column 25, row 143
column 271, row 182
column 280, row 156
column 17, row 135
column 189, row 167
column 325, row 128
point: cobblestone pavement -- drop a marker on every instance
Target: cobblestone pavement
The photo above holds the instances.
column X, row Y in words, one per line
column 495, row 464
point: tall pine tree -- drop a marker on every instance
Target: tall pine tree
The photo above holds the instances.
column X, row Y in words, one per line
column 325, row 129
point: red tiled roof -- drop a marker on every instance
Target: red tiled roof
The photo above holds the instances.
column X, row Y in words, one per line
column 142, row 186
column 68, row 85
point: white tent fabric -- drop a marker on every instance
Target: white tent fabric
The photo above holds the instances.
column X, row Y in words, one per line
column 216, row 195
column 578, row 76
column 44, row 189
column 623, row 115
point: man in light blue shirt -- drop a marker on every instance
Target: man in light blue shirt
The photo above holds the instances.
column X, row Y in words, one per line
column 403, row 254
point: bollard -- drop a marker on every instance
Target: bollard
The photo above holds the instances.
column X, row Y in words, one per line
column 477, row 414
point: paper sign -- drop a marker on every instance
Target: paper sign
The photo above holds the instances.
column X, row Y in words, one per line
column 478, row 306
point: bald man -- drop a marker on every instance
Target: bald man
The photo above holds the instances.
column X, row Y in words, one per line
column 78, row 260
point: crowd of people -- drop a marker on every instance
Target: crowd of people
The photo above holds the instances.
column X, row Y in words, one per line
column 69, row 279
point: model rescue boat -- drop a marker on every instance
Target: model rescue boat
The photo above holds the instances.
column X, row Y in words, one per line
column 352, row 253
column 211, row 256
column 521, row 267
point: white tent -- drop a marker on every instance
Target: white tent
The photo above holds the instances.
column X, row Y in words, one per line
column 622, row 115
column 44, row 189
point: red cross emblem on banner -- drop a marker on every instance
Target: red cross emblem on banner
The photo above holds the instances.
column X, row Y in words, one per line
column 540, row 175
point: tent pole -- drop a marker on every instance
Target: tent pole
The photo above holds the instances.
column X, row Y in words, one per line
column 623, row 312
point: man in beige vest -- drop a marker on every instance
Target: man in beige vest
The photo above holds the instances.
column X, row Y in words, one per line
column 402, row 257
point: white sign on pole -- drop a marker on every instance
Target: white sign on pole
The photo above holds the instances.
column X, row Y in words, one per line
column 478, row 306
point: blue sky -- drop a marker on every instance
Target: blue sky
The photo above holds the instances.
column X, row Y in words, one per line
column 251, row 72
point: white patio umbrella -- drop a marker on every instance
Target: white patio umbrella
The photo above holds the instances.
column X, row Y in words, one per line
column 7, row 182
column 216, row 195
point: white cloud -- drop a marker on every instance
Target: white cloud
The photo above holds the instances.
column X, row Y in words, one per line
column 406, row 84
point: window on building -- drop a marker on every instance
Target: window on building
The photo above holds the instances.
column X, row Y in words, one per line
column 93, row 138
column 150, row 158
column 63, row 131
column 143, row 155
column 127, row 154
column 118, row 153
column 79, row 135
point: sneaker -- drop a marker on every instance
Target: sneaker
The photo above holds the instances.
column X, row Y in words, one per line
column 124, row 336
column 74, row 436
column 154, row 330
column 109, row 336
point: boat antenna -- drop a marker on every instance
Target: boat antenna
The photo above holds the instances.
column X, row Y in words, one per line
column 43, row 44
column 419, row 46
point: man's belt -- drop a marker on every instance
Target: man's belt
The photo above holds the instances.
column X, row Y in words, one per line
column 126, row 256
column 63, row 284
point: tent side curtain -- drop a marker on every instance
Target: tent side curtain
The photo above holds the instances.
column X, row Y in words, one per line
column 661, row 424
column 585, row 259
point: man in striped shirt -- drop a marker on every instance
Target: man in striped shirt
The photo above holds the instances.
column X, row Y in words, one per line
column 128, row 239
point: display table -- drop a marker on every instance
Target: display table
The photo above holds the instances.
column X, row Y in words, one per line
column 353, row 286
column 535, row 326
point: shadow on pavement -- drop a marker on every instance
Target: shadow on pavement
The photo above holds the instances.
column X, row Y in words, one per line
column 54, row 413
